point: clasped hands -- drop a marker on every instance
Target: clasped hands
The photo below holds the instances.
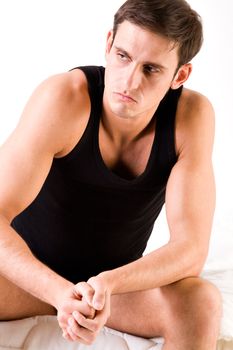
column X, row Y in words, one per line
column 83, row 310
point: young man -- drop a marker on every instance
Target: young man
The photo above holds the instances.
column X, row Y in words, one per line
column 85, row 174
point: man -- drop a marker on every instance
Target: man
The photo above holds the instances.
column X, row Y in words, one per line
column 85, row 174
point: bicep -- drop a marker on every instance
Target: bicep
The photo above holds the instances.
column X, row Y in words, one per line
column 27, row 155
column 24, row 168
column 190, row 202
column 190, row 194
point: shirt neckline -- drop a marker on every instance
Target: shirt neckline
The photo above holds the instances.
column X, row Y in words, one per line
column 110, row 173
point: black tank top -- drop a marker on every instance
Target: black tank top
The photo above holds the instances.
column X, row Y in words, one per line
column 86, row 218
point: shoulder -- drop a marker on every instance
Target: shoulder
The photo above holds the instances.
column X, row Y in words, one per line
column 61, row 89
column 57, row 109
column 192, row 101
column 195, row 123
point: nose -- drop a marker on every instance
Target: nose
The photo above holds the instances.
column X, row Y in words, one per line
column 133, row 78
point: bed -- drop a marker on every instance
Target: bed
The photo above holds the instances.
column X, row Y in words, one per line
column 43, row 332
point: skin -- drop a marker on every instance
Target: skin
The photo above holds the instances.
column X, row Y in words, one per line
column 161, row 295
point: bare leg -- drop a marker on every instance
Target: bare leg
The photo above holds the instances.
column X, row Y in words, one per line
column 186, row 313
column 16, row 303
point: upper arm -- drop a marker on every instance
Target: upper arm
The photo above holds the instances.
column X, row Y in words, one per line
column 42, row 132
column 190, row 193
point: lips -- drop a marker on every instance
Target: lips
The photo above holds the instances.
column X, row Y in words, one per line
column 124, row 97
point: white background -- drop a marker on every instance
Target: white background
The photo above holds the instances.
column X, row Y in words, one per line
column 41, row 38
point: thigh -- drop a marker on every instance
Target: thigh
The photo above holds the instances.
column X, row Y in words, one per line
column 141, row 313
column 15, row 303
column 162, row 311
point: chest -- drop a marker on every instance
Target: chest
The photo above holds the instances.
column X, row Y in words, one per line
column 130, row 160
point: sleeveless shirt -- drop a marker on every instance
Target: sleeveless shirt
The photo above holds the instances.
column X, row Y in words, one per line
column 86, row 218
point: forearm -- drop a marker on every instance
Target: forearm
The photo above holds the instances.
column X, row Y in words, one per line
column 166, row 265
column 18, row 264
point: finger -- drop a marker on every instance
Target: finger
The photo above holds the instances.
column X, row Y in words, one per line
column 99, row 297
column 78, row 333
column 85, row 291
column 71, row 333
column 78, row 305
column 66, row 336
column 77, row 328
column 74, row 326
column 102, row 315
column 87, row 310
column 86, row 323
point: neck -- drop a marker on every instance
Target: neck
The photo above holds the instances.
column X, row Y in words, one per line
column 123, row 131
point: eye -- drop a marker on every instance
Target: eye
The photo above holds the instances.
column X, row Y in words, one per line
column 121, row 56
column 149, row 69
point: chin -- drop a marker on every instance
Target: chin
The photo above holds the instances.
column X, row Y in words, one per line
column 122, row 111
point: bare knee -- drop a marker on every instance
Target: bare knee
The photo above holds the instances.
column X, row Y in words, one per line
column 207, row 294
column 195, row 306
column 17, row 304
column 202, row 297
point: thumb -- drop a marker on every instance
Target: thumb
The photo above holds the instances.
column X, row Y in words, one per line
column 98, row 300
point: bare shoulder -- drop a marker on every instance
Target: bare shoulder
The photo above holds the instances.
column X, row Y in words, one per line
column 51, row 121
column 195, row 123
column 195, row 101
column 57, row 109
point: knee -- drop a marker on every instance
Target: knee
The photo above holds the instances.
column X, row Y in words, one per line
column 194, row 309
column 205, row 296
column 201, row 302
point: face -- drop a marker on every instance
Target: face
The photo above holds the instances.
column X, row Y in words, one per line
column 140, row 68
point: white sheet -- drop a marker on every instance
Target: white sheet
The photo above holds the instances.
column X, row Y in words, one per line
column 219, row 267
column 43, row 332
column 223, row 279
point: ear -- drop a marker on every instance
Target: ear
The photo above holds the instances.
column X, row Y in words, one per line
column 109, row 42
column 182, row 75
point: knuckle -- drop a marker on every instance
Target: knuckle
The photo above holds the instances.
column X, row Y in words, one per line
column 77, row 316
column 69, row 335
column 74, row 330
column 80, row 284
column 91, row 313
column 61, row 320
column 63, row 311
column 95, row 327
column 81, row 321
column 89, row 291
column 86, row 305
column 74, row 327
column 62, row 326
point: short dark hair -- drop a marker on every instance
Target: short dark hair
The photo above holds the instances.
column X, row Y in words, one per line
column 174, row 19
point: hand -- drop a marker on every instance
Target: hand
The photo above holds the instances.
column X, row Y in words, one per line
column 71, row 301
column 96, row 293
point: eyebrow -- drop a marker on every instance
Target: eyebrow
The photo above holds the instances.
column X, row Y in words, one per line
column 147, row 63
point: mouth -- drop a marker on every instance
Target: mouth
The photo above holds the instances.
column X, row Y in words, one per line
column 125, row 98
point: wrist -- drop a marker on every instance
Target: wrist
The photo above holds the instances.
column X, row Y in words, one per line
column 58, row 291
column 108, row 280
